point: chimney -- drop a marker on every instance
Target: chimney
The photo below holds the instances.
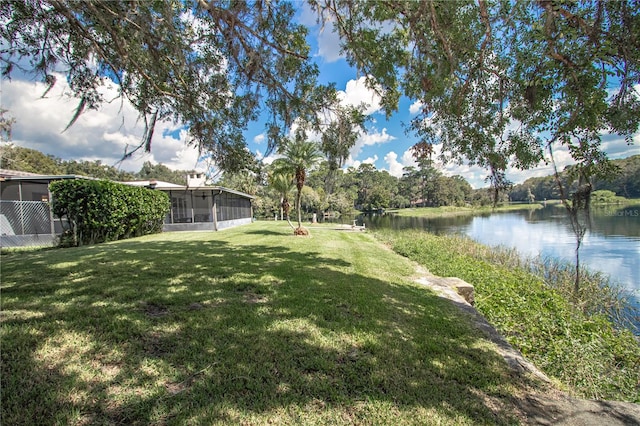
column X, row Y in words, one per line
column 195, row 180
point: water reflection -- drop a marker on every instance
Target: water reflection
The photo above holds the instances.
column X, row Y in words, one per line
column 437, row 225
column 611, row 245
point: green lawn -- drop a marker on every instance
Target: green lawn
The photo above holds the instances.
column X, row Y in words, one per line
column 249, row 325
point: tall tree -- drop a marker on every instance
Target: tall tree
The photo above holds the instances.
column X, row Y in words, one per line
column 410, row 184
column 422, row 153
column 162, row 172
column 376, row 188
column 503, row 83
column 95, row 169
column 209, row 65
column 339, row 135
column 299, row 155
column 6, row 124
column 243, row 180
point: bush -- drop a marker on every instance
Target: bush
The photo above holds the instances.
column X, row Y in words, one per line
column 96, row 211
column 605, row 197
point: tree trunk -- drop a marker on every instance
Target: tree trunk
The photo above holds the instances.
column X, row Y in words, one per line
column 576, row 284
column 285, row 209
column 298, row 198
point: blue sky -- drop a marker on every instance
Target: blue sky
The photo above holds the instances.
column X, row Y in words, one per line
column 105, row 134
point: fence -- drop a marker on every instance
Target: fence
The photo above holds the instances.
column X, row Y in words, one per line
column 26, row 223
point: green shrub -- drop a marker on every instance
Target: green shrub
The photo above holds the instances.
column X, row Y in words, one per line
column 604, row 196
column 96, row 211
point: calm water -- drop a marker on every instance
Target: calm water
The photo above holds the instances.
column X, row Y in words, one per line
column 611, row 245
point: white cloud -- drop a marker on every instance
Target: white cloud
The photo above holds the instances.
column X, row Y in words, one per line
column 395, row 167
column 259, row 138
column 350, row 162
column 356, row 93
column 269, row 158
column 616, row 147
column 473, row 174
column 370, row 138
column 376, row 138
column 102, row 134
column 327, row 39
column 408, row 160
column 329, row 44
column 415, row 107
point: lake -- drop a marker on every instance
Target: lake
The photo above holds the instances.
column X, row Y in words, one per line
column 611, row 245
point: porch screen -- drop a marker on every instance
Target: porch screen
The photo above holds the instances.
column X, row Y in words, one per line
column 231, row 207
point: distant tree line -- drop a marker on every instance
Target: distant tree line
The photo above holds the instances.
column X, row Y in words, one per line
column 624, row 183
column 364, row 188
column 30, row 160
column 369, row 189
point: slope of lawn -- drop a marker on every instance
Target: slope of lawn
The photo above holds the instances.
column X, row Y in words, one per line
column 249, row 325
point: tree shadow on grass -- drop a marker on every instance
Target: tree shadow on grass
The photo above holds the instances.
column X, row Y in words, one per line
column 141, row 332
column 283, row 231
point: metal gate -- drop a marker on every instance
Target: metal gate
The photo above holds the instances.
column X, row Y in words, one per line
column 26, row 223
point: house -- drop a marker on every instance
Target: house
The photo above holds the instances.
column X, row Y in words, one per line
column 199, row 207
column 25, row 215
column 26, row 218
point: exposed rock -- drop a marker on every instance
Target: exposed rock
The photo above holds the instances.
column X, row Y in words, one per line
column 453, row 288
column 463, row 288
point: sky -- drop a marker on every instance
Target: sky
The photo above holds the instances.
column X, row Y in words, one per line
column 105, row 134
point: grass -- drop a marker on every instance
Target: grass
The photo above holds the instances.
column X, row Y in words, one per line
column 573, row 341
column 450, row 211
column 250, row 325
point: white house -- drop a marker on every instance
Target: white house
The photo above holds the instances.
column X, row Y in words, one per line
column 26, row 218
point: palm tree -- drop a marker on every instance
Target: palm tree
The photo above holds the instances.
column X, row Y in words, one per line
column 282, row 182
column 299, row 155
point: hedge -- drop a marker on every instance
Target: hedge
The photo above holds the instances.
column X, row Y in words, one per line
column 96, row 211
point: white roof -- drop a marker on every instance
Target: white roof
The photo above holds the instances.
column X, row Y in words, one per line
column 167, row 186
column 158, row 184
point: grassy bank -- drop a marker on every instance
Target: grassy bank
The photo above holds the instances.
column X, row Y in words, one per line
column 450, row 211
column 575, row 343
column 248, row 325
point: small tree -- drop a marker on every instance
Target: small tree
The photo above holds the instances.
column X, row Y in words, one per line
column 530, row 197
column 299, row 155
column 282, row 183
